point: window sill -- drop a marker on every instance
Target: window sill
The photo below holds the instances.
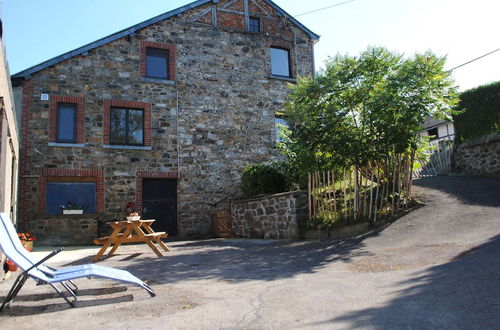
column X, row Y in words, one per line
column 272, row 76
column 157, row 81
column 67, row 145
column 113, row 146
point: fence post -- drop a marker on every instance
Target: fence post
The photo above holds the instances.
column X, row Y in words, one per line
column 309, row 199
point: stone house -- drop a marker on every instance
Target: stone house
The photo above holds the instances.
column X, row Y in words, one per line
column 9, row 144
column 164, row 114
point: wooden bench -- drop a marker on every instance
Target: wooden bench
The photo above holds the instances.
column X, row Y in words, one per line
column 130, row 239
column 131, row 231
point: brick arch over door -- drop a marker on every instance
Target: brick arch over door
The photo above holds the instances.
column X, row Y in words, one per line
column 149, row 175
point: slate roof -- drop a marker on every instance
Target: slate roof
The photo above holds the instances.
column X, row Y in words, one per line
column 131, row 30
column 434, row 122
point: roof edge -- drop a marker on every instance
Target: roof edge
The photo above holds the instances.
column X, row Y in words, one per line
column 112, row 37
column 311, row 34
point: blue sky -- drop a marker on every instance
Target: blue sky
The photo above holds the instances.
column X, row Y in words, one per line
column 35, row 30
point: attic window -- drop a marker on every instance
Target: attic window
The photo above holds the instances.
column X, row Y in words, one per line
column 157, row 63
column 254, row 24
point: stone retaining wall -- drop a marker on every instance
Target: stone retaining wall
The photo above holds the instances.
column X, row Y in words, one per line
column 480, row 157
column 271, row 216
column 65, row 229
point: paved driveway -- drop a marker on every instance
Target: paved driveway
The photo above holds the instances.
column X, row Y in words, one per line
column 437, row 267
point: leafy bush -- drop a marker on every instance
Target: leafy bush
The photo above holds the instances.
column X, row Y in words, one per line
column 480, row 112
column 260, row 179
column 365, row 108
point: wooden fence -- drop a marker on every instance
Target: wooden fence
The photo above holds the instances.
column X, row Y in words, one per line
column 377, row 190
column 437, row 160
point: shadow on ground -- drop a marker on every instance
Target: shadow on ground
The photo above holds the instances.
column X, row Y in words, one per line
column 469, row 190
column 229, row 260
column 241, row 260
column 461, row 294
column 47, row 306
column 245, row 260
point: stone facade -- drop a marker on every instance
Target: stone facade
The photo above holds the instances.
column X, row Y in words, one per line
column 481, row 157
column 66, row 229
column 214, row 114
column 272, row 216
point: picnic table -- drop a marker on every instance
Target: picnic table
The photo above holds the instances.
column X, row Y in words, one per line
column 131, row 231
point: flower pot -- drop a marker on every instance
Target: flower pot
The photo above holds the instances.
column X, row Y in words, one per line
column 12, row 266
column 72, row 211
column 28, row 245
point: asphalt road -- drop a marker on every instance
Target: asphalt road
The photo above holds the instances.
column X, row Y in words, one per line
column 435, row 268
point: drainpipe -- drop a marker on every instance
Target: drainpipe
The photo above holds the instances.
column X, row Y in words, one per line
column 178, row 158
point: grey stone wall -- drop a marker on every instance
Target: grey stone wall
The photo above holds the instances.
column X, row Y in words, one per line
column 217, row 117
column 64, row 229
column 481, row 157
column 271, row 216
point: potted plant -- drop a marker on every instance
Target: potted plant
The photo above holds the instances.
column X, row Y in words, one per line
column 71, row 208
column 27, row 240
column 131, row 213
column 11, row 267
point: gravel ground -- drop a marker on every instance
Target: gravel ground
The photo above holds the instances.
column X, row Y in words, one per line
column 436, row 267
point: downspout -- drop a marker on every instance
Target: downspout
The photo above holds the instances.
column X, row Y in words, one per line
column 178, row 158
column 313, row 61
column 295, row 51
column 178, row 133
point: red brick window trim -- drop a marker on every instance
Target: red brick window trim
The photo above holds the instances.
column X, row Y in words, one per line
column 80, row 119
column 146, row 107
column 170, row 48
column 71, row 175
column 139, row 175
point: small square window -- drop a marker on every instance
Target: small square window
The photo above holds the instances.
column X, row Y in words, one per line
column 254, row 24
column 433, row 133
column 280, row 62
column 126, row 126
column 66, row 123
column 157, row 63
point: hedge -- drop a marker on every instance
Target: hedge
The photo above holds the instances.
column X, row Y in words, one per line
column 260, row 179
column 480, row 113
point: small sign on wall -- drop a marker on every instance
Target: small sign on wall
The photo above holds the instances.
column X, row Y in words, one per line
column 44, row 97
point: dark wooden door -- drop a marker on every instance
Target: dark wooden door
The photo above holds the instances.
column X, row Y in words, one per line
column 159, row 202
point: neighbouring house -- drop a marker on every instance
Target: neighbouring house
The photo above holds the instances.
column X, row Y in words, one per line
column 438, row 130
column 163, row 115
column 9, row 144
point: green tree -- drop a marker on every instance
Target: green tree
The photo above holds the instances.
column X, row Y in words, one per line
column 364, row 108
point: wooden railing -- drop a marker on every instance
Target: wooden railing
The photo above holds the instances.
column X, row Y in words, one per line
column 377, row 190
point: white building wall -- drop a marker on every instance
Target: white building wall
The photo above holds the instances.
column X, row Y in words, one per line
column 9, row 144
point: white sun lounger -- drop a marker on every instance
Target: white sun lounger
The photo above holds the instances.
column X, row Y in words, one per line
column 14, row 250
